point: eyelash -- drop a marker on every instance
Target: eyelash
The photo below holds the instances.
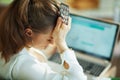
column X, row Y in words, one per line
column 49, row 40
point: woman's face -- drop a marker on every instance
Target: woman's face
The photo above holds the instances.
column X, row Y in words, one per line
column 40, row 40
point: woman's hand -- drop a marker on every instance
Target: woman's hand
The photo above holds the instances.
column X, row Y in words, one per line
column 50, row 50
column 59, row 34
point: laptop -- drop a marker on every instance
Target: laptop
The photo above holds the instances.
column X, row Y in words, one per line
column 93, row 41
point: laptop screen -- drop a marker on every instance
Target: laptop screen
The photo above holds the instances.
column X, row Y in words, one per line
column 91, row 36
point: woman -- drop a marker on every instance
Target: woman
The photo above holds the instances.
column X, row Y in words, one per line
column 27, row 28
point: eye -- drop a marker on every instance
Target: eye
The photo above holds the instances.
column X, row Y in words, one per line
column 49, row 40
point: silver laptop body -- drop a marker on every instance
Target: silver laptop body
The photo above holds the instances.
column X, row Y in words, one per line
column 93, row 41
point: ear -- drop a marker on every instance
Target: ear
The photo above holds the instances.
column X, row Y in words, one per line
column 28, row 32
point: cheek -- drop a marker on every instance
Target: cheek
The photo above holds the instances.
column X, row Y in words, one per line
column 41, row 42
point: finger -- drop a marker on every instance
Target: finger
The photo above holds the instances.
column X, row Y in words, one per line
column 59, row 22
column 69, row 23
column 64, row 26
column 67, row 26
column 57, row 27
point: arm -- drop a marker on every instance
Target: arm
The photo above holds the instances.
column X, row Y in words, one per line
column 28, row 68
column 50, row 50
column 69, row 60
column 32, row 69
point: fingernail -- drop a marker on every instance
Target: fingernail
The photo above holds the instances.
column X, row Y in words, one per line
column 60, row 18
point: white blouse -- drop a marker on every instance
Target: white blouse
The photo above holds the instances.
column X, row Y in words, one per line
column 23, row 66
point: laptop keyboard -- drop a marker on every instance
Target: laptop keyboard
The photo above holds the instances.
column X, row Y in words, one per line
column 91, row 68
column 88, row 67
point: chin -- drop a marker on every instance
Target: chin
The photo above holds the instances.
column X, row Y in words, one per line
column 39, row 47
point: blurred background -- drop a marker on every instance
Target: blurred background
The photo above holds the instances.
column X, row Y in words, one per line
column 102, row 9
column 4, row 3
column 92, row 8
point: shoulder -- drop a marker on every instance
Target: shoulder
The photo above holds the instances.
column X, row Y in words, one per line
column 26, row 60
column 27, row 67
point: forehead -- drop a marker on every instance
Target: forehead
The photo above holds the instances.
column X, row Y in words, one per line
column 47, row 34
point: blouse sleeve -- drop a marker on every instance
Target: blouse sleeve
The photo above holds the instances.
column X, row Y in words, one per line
column 31, row 69
column 75, row 71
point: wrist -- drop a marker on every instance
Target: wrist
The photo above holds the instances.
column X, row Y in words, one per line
column 62, row 47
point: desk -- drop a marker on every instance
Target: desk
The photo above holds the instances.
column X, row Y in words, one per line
column 111, row 72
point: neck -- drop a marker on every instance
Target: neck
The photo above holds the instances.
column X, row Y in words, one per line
column 37, row 54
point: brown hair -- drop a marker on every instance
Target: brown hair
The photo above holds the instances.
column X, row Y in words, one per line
column 39, row 15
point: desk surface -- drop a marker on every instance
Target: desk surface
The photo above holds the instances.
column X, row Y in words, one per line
column 111, row 72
